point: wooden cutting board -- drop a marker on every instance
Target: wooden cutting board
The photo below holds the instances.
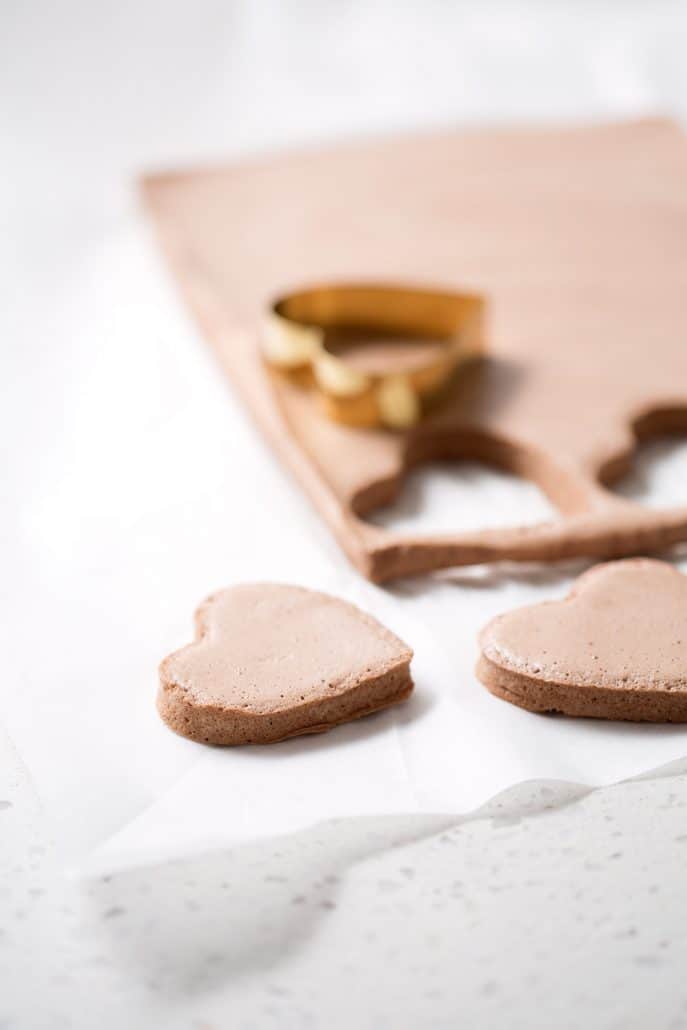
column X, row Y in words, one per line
column 577, row 238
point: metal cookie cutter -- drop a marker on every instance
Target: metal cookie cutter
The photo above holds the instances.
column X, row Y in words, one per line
column 374, row 353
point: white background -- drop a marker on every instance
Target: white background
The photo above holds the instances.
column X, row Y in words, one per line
column 135, row 485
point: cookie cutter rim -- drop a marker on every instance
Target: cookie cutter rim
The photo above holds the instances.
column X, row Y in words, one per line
column 294, row 342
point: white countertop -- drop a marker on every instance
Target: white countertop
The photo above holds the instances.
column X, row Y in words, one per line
column 554, row 905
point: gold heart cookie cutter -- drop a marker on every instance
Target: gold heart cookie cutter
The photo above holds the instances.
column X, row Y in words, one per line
column 376, row 354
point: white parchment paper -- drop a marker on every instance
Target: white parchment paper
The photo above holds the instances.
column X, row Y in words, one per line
column 134, row 484
column 153, row 489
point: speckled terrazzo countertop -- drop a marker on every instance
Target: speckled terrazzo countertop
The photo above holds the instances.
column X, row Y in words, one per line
column 552, row 906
